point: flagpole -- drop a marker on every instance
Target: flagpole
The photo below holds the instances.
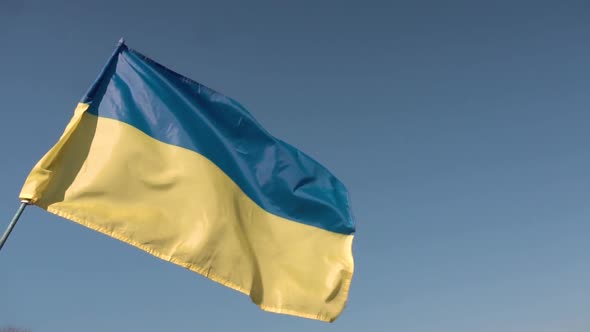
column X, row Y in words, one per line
column 13, row 222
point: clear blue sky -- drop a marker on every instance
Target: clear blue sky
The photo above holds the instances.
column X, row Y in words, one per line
column 459, row 127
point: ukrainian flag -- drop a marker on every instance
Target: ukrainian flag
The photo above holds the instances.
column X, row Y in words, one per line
column 186, row 174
